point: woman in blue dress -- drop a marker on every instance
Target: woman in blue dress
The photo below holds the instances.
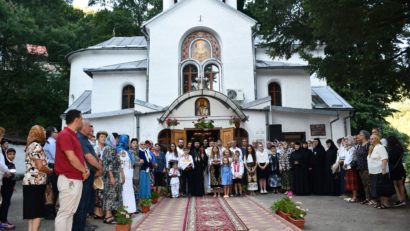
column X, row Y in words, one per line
column 146, row 168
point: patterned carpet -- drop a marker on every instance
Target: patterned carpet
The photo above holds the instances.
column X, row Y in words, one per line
column 212, row 214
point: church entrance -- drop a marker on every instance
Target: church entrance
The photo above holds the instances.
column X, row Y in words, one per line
column 226, row 135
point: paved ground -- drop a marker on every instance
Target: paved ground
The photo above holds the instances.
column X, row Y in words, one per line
column 325, row 213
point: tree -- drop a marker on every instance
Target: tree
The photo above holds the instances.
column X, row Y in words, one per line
column 366, row 52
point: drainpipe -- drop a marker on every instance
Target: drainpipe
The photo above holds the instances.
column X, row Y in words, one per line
column 345, row 119
column 267, row 124
column 331, row 123
column 137, row 117
column 146, row 35
column 254, row 60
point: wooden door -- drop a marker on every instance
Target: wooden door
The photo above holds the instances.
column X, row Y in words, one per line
column 177, row 134
column 227, row 135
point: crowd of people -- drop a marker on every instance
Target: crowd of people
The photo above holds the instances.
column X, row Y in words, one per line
column 91, row 175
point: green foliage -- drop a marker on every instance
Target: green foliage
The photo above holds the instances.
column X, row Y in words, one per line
column 154, row 194
column 34, row 88
column 122, row 217
column 287, row 205
column 365, row 57
column 145, row 202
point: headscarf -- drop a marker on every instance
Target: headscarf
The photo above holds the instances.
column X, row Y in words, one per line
column 123, row 146
column 110, row 141
column 36, row 134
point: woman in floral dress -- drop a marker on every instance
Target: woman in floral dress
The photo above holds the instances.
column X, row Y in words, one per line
column 113, row 178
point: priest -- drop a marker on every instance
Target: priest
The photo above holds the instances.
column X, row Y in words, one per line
column 200, row 161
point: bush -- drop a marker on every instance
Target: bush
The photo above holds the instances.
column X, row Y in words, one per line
column 154, row 194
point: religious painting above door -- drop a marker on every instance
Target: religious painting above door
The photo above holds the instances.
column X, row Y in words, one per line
column 202, row 107
column 201, row 50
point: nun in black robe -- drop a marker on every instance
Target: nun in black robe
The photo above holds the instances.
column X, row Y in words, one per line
column 309, row 157
column 299, row 165
column 318, row 163
column 331, row 180
column 200, row 163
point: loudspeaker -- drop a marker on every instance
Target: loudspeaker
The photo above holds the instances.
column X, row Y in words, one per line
column 275, row 132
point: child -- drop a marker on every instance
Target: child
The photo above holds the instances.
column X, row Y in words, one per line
column 7, row 190
column 274, row 178
column 226, row 176
column 237, row 173
column 174, row 182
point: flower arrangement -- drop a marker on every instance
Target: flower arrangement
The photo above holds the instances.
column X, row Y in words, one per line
column 288, row 206
column 154, row 196
column 235, row 120
column 122, row 217
column 171, row 122
column 203, row 123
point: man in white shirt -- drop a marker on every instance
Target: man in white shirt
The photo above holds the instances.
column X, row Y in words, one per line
column 50, row 150
column 234, row 148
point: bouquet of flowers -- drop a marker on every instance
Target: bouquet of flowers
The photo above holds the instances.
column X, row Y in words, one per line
column 171, row 122
column 203, row 123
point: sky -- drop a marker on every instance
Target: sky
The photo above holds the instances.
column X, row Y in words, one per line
column 80, row 3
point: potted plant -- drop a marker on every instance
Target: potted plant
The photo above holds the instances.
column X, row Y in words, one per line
column 171, row 122
column 283, row 207
column 154, row 196
column 235, row 120
column 123, row 219
column 297, row 216
column 145, row 205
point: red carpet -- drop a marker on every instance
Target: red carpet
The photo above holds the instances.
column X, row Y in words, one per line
column 212, row 214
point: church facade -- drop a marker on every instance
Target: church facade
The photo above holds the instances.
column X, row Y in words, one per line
column 199, row 67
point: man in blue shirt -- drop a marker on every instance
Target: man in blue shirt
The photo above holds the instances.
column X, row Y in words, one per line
column 88, row 195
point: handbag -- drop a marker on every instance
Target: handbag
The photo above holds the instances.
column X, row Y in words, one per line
column 48, row 193
column 384, row 185
column 98, row 183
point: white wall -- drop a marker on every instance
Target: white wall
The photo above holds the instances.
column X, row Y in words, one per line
column 168, row 32
column 107, row 89
column 297, row 122
column 80, row 81
column 295, row 86
column 256, row 125
column 124, row 124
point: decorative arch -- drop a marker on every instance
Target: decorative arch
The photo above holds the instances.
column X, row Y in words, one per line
column 275, row 92
column 128, row 96
column 204, row 93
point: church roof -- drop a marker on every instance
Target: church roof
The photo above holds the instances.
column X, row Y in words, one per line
column 83, row 103
column 134, row 41
column 172, row 8
column 115, row 43
column 265, row 64
column 325, row 97
column 138, row 65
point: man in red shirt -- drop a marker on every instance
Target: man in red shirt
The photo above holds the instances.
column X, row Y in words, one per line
column 71, row 170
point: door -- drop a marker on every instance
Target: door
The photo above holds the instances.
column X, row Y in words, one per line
column 227, row 135
column 177, row 134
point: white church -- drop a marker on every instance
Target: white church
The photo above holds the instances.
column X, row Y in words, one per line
column 202, row 59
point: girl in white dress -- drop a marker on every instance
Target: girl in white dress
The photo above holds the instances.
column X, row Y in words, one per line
column 127, row 163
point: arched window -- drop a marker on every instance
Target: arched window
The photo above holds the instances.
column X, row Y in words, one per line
column 128, row 97
column 212, row 77
column 190, row 78
column 275, row 94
